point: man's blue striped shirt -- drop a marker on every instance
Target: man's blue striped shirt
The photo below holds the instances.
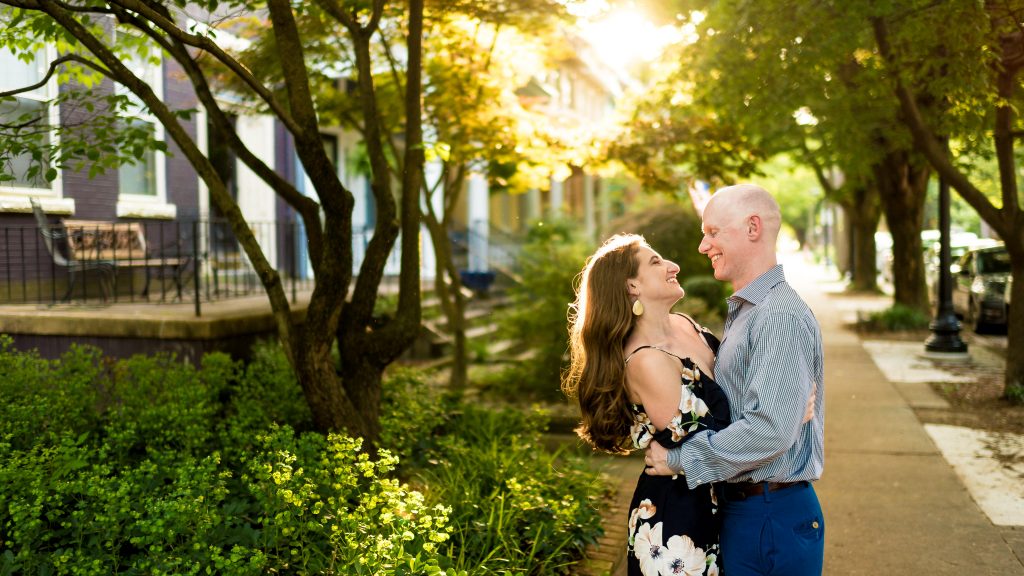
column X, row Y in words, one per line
column 770, row 358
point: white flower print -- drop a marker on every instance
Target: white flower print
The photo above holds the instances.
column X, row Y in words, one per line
column 648, row 549
column 642, row 430
column 682, row 556
column 691, row 374
column 645, row 510
column 676, row 427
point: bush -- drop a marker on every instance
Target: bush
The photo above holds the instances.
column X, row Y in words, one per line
column 154, row 467
column 551, row 259
column 674, row 230
column 515, row 506
column 895, row 318
column 711, row 292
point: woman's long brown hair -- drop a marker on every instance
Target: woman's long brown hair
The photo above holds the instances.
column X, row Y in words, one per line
column 600, row 320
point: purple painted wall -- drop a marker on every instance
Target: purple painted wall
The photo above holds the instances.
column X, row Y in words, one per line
column 27, row 271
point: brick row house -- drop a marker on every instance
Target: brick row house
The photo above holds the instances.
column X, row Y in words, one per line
column 162, row 196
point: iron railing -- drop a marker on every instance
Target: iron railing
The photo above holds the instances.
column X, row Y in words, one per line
column 197, row 261
column 188, row 261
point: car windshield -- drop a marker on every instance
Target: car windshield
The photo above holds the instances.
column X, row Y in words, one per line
column 995, row 262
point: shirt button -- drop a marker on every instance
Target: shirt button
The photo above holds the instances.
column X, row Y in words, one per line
column 815, row 524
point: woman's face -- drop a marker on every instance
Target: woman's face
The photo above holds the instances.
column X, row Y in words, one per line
column 655, row 278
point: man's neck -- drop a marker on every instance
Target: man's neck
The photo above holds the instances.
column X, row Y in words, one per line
column 755, row 273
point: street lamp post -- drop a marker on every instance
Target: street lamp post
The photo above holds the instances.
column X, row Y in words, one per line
column 945, row 338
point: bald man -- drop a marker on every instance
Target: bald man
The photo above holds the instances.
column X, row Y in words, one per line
column 769, row 365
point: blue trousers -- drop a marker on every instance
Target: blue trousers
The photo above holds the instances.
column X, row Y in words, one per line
column 779, row 533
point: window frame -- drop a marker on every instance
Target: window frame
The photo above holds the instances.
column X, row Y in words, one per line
column 15, row 198
column 135, row 205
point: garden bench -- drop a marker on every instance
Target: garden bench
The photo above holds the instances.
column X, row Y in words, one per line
column 80, row 245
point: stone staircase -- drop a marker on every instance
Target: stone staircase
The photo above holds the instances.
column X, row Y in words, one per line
column 433, row 348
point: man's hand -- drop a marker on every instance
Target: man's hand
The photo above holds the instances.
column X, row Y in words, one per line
column 656, row 460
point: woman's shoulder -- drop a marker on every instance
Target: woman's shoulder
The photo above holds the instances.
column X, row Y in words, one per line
column 687, row 322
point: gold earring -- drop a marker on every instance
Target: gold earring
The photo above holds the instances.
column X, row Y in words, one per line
column 638, row 308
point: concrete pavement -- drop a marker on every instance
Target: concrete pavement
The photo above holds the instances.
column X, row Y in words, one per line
column 892, row 503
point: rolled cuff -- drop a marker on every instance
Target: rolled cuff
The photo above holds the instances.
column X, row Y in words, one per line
column 675, row 460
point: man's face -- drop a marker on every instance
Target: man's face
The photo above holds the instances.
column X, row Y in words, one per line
column 723, row 241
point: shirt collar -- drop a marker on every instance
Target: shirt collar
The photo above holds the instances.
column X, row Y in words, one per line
column 758, row 290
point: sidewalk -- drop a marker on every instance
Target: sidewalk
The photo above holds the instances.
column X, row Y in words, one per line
column 892, row 503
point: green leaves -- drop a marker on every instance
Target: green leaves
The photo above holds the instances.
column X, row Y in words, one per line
column 168, row 469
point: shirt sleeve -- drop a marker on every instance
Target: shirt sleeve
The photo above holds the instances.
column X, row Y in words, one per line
column 776, row 388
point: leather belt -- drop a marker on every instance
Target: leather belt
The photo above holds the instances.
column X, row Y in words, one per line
column 744, row 490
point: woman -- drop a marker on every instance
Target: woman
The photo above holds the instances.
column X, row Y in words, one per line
column 642, row 373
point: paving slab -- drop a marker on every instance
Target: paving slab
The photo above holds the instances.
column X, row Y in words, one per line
column 892, row 503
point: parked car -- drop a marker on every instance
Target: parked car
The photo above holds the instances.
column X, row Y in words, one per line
column 979, row 287
column 959, row 243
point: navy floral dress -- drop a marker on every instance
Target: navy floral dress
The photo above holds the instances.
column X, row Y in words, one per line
column 673, row 529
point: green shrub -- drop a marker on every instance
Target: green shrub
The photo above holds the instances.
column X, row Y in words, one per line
column 711, row 292
column 550, row 260
column 413, row 416
column 673, row 229
column 261, row 393
column 514, row 505
column 43, row 400
column 159, row 468
column 895, row 318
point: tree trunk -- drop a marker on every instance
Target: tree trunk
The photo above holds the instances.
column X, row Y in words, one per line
column 363, row 383
column 1014, row 382
column 452, row 302
column 864, row 212
column 902, row 186
column 332, row 409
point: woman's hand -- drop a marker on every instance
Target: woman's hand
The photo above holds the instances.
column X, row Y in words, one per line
column 809, row 411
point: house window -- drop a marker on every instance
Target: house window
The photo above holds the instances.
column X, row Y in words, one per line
column 33, row 112
column 139, row 179
column 142, row 185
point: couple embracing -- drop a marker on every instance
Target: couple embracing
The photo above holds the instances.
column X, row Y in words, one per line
column 733, row 429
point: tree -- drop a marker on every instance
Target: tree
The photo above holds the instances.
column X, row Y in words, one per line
column 791, row 78
column 473, row 114
column 472, row 67
column 970, row 56
column 343, row 396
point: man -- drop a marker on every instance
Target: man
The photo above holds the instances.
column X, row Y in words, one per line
column 769, row 364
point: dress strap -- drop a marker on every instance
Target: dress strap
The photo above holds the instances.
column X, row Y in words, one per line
column 709, row 339
column 639, row 348
column 696, row 326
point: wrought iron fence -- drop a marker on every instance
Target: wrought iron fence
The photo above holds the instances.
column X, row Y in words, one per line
column 198, row 261
column 93, row 262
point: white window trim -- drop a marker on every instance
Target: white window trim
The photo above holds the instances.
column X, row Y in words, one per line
column 51, row 199
column 143, row 205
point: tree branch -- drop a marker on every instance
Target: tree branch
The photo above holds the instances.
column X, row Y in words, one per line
column 53, row 68
column 204, row 43
column 121, row 74
column 307, row 208
column 397, row 335
column 928, row 144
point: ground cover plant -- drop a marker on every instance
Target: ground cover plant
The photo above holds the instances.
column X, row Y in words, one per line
column 151, row 466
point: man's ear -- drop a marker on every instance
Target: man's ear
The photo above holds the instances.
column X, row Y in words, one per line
column 755, row 227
